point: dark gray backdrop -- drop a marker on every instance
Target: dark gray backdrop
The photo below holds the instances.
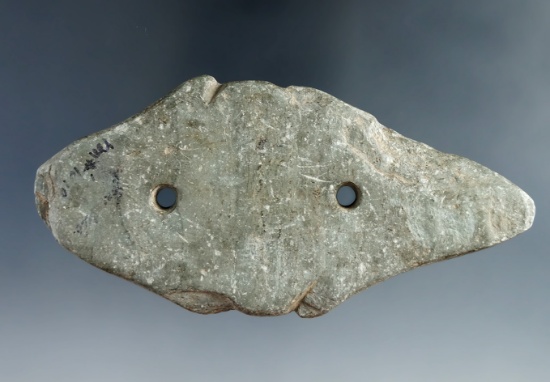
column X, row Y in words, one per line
column 469, row 77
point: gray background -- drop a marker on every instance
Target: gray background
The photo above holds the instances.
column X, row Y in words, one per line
column 466, row 77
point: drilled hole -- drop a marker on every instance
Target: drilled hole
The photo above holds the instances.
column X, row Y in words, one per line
column 166, row 197
column 348, row 195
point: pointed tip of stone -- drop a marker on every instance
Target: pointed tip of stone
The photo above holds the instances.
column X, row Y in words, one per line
column 526, row 211
column 512, row 211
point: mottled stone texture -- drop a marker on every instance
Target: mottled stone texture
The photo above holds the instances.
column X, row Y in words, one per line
column 257, row 226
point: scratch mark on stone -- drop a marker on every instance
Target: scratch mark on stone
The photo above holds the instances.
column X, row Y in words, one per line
column 315, row 179
column 193, row 223
column 182, row 238
column 313, row 166
column 361, row 154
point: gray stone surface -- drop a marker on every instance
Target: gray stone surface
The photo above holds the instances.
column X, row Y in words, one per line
column 257, row 226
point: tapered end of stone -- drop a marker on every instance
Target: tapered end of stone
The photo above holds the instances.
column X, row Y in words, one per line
column 510, row 211
column 526, row 212
column 503, row 209
column 458, row 206
column 531, row 210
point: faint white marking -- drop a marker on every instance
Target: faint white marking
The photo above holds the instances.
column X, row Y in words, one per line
column 182, row 238
column 313, row 166
column 315, row 179
column 289, row 225
column 267, row 124
column 361, row 154
column 193, row 223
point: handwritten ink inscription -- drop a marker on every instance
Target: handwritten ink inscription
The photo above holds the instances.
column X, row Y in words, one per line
column 85, row 224
column 96, row 152
column 100, row 149
column 89, row 164
column 116, row 189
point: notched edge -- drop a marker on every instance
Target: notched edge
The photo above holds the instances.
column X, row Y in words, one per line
column 201, row 302
column 211, row 89
column 205, row 302
column 305, row 310
column 216, row 91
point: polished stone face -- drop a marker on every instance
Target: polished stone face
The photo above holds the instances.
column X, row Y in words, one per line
column 222, row 197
